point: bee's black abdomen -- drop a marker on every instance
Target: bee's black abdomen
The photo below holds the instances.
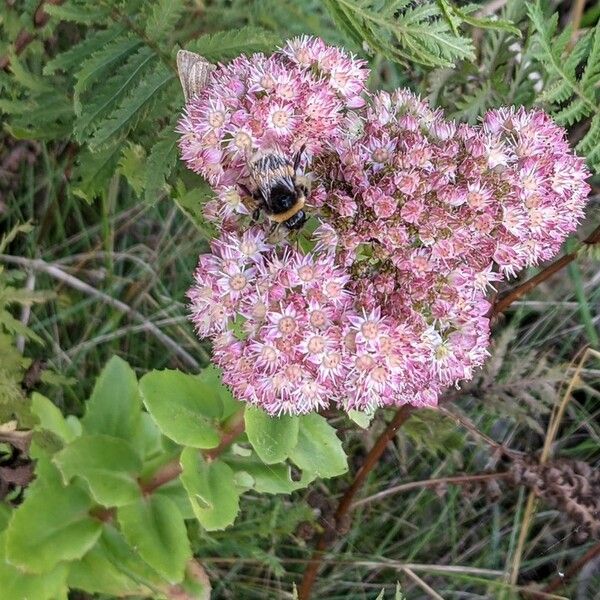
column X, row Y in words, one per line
column 296, row 221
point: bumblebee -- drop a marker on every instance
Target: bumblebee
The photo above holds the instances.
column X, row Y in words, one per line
column 277, row 190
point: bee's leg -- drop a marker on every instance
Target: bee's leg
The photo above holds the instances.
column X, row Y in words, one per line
column 298, row 157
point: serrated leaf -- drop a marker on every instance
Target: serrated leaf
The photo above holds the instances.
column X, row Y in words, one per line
column 155, row 528
column 84, row 15
column 160, row 164
column 133, row 107
column 108, row 465
column 318, row 449
column 102, row 63
column 115, row 406
column 183, row 407
column 163, row 18
column 74, row 56
column 131, row 166
column 224, row 45
column 93, row 172
column 94, row 108
column 52, row 525
column 212, row 490
column 271, row 437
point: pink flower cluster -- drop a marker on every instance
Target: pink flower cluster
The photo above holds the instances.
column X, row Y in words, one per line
column 417, row 217
column 289, row 337
column 296, row 97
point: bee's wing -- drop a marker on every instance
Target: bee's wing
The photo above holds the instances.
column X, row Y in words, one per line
column 194, row 72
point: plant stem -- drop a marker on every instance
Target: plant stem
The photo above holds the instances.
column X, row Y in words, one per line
column 172, row 469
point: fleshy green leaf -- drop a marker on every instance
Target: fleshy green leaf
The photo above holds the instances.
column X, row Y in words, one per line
column 52, row 525
column 267, row 479
column 97, row 573
column 50, row 417
column 271, row 437
column 115, row 407
column 17, row 585
column 319, row 450
column 108, row 465
column 155, row 528
column 183, row 407
column 212, row 490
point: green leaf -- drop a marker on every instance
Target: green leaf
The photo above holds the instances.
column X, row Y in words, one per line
column 50, row 417
column 17, row 585
column 127, row 560
column 93, row 172
column 268, row 479
column 98, row 106
column 97, row 573
column 163, row 19
column 182, row 407
column 155, row 528
column 160, row 164
column 133, row 108
column 131, row 166
column 224, row 45
column 212, row 490
column 271, row 437
column 52, row 525
column 114, row 407
column 108, row 465
column 319, row 450
column 84, row 15
column 101, row 64
column 362, row 419
column 75, row 55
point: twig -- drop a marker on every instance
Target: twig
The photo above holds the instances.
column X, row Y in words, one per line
column 431, row 483
column 424, row 586
column 576, row 15
column 24, row 37
column 516, row 293
column 573, row 570
column 40, row 265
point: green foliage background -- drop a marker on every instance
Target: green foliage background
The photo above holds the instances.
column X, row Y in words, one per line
column 102, row 227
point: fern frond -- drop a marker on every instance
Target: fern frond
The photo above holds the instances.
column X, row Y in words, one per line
column 93, row 171
column 425, row 32
column 102, row 63
column 164, row 16
column 224, row 45
column 76, row 55
column 160, row 164
column 133, row 108
column 100, row 105
column 572, row 76
column 82, row 13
